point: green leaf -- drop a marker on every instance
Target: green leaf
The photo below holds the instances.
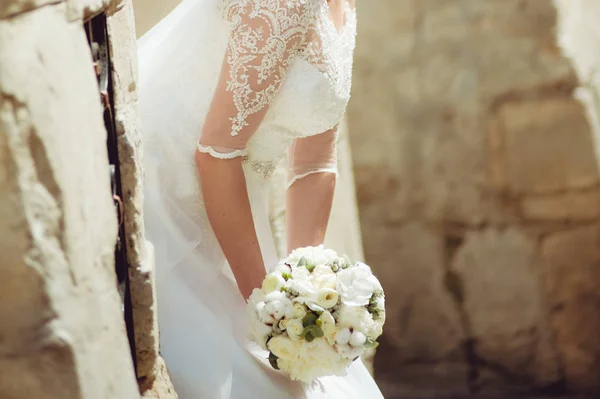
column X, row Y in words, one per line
column 313, row 332
column 309, row 319
column 310, row 267
column 273, row 361
column 316, row 331
column 309, row 337
column 371, row 343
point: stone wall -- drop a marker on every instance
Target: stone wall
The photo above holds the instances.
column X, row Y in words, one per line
column 61, row 325
column 479, row 197
column 153, row 379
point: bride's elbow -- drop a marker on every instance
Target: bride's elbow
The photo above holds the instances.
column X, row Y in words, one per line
column 208, row 164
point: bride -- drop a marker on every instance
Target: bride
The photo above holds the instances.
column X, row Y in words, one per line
column 227, row 89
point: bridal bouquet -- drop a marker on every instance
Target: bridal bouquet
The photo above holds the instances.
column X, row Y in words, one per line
column 316, row 313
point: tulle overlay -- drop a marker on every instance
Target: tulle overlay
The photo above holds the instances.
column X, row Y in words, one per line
column 201, row 312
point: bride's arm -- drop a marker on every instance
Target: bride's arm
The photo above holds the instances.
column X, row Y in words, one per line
column 312, row 175
column 262, row 43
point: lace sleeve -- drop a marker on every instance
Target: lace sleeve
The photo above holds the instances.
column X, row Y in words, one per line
column 314, row 154
column 265, row 36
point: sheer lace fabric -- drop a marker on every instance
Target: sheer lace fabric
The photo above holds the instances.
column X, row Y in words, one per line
column 286, row 75
column 313, row 154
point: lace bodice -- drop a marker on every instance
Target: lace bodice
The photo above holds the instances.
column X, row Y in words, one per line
column 266, row 73
column 286, row 75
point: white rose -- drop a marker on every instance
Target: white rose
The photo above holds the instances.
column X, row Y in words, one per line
column 316, row 359
column 294, row 329
column 357, row 284
column 283, row 347
column 327, row 298
column 283, row 324
column 300, row 274
column 323, row 277
column 328, row 326
column 357, row 339
column 273, row 282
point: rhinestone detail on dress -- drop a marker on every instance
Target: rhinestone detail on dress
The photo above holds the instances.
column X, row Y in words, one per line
column 264, row 168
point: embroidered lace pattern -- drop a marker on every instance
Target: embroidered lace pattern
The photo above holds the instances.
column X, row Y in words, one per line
column 265, row 37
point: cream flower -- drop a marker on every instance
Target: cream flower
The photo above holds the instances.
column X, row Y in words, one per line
column 294, row 329
column 273, row 282
column 328, row 327
column 357, row 284
column 327, row 298
column 323, row 277
column 283, row 347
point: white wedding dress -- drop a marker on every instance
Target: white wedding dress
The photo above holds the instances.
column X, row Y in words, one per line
column 294, row 61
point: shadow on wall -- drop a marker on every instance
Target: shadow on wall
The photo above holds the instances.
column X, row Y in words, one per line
column 479, row 198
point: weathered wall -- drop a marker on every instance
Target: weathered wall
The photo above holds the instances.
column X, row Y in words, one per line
column 579, row 37
column 479, row 197
column 61, row 325
column 152, row 375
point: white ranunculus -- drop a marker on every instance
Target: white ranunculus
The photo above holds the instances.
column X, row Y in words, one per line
column 273, row 282
column 283, row 324
column 357, row 284
column 294, row 329
column 327, row 298
column 283, row 347
column 328, row 327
